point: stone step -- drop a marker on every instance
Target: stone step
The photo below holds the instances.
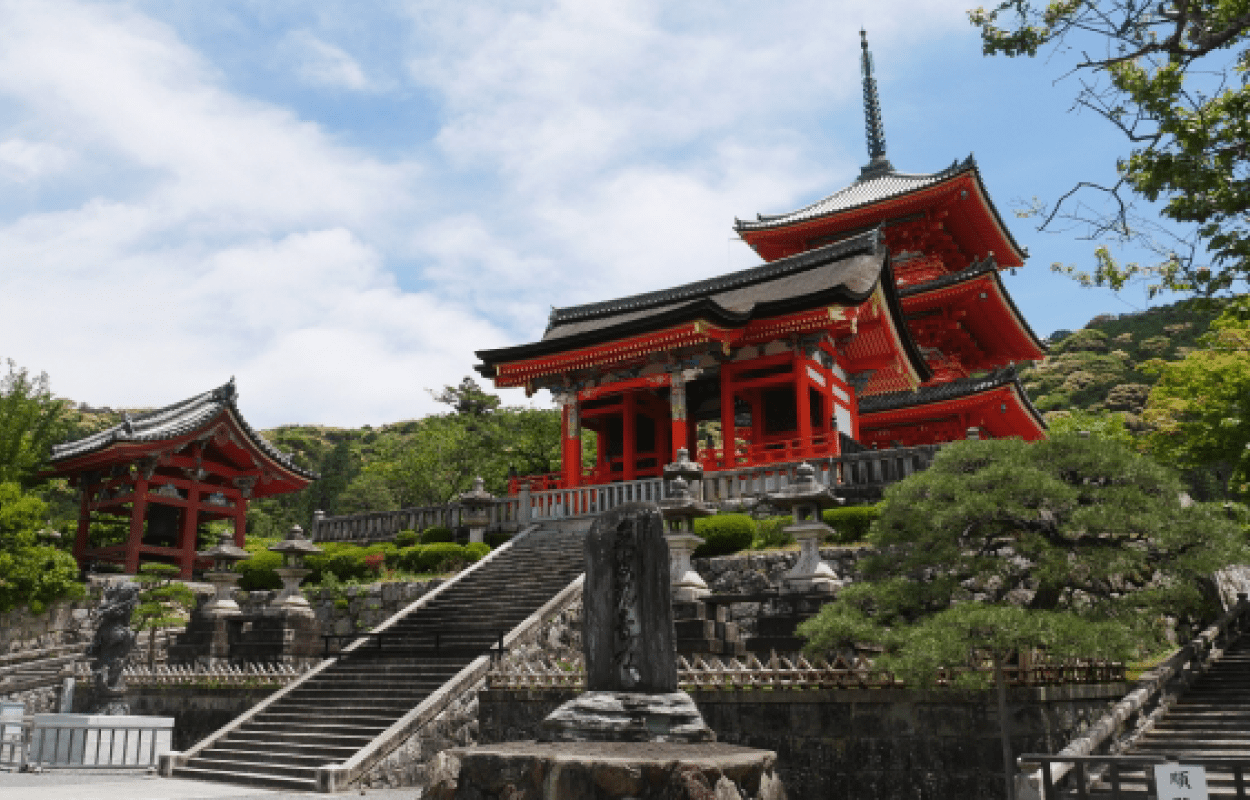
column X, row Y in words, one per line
column 273, row 770
column 333, row 752
column 359, row 735
column 239, row 776
column 278, row 759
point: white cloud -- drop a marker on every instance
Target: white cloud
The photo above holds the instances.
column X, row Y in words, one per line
column 323, row 64
column 584, row 149
column 24, row 160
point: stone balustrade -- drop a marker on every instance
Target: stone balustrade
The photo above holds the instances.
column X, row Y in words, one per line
column 858, row 477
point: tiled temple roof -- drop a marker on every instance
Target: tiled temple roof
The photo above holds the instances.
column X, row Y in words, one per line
column 174, row 421
column 871, row 188
column 986, row 266
column 963, row 387
column 845, row 272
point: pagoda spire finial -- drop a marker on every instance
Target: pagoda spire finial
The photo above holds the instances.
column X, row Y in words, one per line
column 872, row 115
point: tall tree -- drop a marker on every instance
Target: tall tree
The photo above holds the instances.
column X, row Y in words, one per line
column 1173, row 76
column 1199, row 411
column 31, row 421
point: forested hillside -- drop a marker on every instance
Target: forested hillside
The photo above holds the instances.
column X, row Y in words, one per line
column 1100, row 367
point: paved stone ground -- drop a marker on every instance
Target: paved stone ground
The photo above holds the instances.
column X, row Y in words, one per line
column 117, row 785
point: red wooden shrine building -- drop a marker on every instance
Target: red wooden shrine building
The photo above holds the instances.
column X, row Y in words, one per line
column 170, row 471
column 878, row 319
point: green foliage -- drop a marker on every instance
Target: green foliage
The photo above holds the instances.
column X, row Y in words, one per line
column 438, row 533
column 258, row 572
column 1173, row 78
column 850, row 524
column 410, row 557
column 1199, row 410
column 346, row 562
column 1082, row 531
column 724, row 534
column 476, row 551
column 164, row 601
column 31, row 574
column 407, row 539
column 441, row 557
column 771, row 532
column 496, row 538
column 1107, row 425
column 31, row 421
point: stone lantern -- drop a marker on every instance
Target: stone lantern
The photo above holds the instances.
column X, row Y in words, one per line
column 680, row 509
column 688, row 470
column 805, row 498
column 293, row 549
column 223, row 577
column 477, row 503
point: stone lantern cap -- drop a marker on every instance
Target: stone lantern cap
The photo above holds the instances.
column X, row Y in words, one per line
column 683, row 468
column 804, row 491
column 681, row 504
column 225, row 553
column 477, row 496
column 295, row 544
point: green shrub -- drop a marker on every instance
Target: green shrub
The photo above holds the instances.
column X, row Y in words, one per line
column 771, row 533
column 406, row 539
column 258, row 571
column 476, row 551
column 410, row 558
column 441, row 556
column 850, row 524
column 496, row 538
column 724, row 534
column 438, row 533
column 346, row 562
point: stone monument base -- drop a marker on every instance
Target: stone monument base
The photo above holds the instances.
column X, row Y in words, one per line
column 627, row 717
column 604, row 771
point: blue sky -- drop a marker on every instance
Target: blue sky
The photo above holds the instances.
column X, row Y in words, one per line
column 339, row 202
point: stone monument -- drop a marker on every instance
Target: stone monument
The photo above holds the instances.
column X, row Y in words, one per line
column 110, row 647
column 631, row 659
column 632, row 735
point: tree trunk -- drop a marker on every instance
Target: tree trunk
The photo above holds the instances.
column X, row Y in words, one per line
column 1000, row 683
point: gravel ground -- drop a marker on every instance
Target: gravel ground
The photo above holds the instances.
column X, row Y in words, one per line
column 117, row 785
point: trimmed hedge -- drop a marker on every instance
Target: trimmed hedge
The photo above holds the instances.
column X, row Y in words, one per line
column 410, row 558
column 407, row 539
column 438, row 533
column 724, row 534
column 496, row 538
column 476, row 551
column 440, row 556
column 851, row 524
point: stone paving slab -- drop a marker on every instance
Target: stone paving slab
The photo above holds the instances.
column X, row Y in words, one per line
column 104, row 785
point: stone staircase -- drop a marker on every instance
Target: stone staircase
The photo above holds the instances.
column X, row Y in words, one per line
column 345, row 706
column 1210, row 720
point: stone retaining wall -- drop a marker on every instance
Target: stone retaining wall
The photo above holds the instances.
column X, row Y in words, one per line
column 752, row 572
column 197, row 709
column 349, row 609
column 65, row 622
column 861, row 744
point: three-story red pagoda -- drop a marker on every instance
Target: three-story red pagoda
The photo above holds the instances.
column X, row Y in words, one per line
column 878, row 319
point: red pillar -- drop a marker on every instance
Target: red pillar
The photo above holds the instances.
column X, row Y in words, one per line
column 138, row 511
column 571, row 444
column 240, row 524
column 186, row 541
column 678, row 429
column 803, row 402
column 629, row 433
column 727, row 439
column 84, row 522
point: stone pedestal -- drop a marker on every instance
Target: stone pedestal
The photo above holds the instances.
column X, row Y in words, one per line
column 292, row 600
column 810, row 573
column 688, row 585
column 627, row 717
column 605, row 771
